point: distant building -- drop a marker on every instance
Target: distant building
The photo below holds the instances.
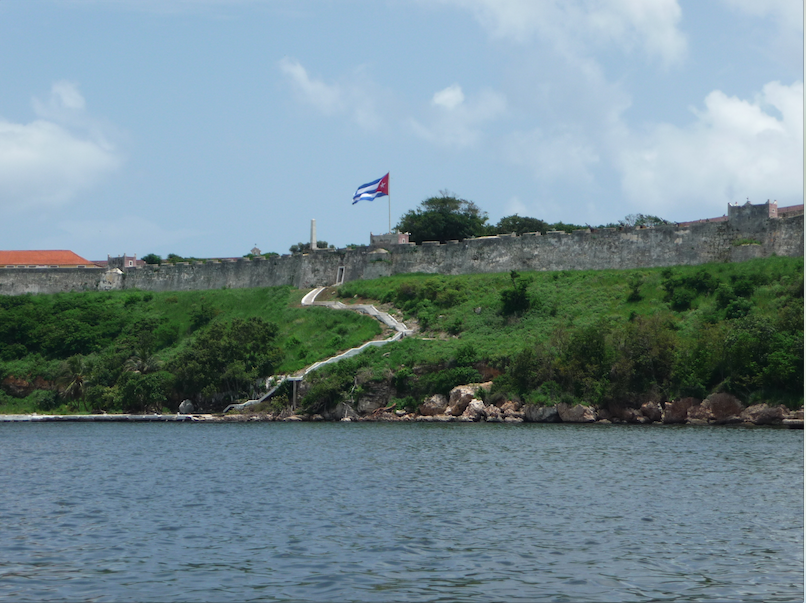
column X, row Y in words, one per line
column 121, row 261
column 392, row 238
column 43, row 259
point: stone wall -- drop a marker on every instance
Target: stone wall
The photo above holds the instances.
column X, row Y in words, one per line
column 583, row 250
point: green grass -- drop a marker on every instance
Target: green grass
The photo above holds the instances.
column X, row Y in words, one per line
column 464, row 328
column 464, row 313
column 38, row 333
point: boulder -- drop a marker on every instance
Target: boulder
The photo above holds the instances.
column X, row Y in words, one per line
column 576, row 414
column 493, row 414
column 186, row 407
column 652, row 411
column 461, row 395
column 761, row 414
column 676, row 411
column 474, row 410
column 435, row 405
column 511, row 409
column 341, row 411
column 724, row 408
column 540, row 414
column 623, row 414
column 510, row 406
column 699, row 415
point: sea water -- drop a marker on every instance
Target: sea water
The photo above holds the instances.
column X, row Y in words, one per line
column 400, row 512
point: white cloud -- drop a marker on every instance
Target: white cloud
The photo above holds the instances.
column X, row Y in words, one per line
column 449, row 98
column 573, row 26
column 735, row 149
column 456, row 121
column 333, row 99
column 49, row 161
column 323, row 97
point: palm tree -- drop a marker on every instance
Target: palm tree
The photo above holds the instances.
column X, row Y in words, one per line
column 143, row 362
column 74, row 377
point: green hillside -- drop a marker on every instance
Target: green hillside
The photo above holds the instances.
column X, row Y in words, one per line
column 595, row 337
column 136, row 350
column 612, row 337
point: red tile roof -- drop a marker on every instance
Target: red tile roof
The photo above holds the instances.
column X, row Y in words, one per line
column 42, row 258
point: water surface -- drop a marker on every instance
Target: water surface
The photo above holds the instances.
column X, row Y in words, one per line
column 400, row 512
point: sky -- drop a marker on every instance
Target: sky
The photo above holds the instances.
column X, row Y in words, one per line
column 206, row 127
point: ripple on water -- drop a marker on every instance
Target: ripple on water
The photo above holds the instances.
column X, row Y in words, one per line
column 405, row 512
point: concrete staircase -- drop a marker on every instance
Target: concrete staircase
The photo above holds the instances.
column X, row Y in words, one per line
column 400, row 329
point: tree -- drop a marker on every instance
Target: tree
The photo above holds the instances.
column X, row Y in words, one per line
column 152, row 258
column 303, row 247
column 227, row 358
column 520, row 224
column 444, row 218
column 638, row 220
column 516, row 300
column 73, row 377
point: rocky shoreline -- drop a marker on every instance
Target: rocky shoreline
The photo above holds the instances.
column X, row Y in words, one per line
column 462, row 406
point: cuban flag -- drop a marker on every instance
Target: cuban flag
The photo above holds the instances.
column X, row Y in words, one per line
column 372, row 190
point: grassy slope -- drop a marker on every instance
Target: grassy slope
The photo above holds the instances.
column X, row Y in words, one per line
column 562, row 299
column 305, row 334
column 464, row 313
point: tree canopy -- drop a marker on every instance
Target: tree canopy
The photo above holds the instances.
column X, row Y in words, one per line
column 520, row 224
column 444, row 218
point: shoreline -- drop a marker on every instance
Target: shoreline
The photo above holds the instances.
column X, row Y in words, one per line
column 790, row 423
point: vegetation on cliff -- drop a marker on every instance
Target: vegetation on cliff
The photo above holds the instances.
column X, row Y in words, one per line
column 605, row 338
column 135, row 351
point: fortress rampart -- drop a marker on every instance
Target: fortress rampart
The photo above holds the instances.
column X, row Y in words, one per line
column 748, row 232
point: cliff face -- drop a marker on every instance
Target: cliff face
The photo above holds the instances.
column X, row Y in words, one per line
column 741, row 237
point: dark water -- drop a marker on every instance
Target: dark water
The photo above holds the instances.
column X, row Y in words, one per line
column 399, row 512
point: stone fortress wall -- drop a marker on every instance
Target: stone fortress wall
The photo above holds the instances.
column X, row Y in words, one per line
column 749, row 231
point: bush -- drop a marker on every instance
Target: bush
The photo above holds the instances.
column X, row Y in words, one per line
column 516, row 300
column 442, row 382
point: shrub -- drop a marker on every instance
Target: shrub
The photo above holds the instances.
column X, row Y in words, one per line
column 516, row 300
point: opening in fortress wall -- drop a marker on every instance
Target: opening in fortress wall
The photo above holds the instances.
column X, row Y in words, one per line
column 745, row 232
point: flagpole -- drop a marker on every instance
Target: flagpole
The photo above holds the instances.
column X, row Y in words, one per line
column 389, row 194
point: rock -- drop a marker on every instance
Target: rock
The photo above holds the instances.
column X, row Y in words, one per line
column 540, row 414
column 400, row 413
column 493, row 414
column 699, row 415
column 576, row 414
column 761, row 414
column 724, row 408
column 435, row 405
column 624, row 414
column 513, row 420
column 651, row 410
column 341, row 411
column 676, row 411
column 461, row 395
column 474, row 410
column 510, row 406
column 186, row 407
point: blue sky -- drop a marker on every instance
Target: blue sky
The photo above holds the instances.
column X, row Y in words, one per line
column 204, row 127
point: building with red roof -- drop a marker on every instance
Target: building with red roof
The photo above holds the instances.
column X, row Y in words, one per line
column 43, row 259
